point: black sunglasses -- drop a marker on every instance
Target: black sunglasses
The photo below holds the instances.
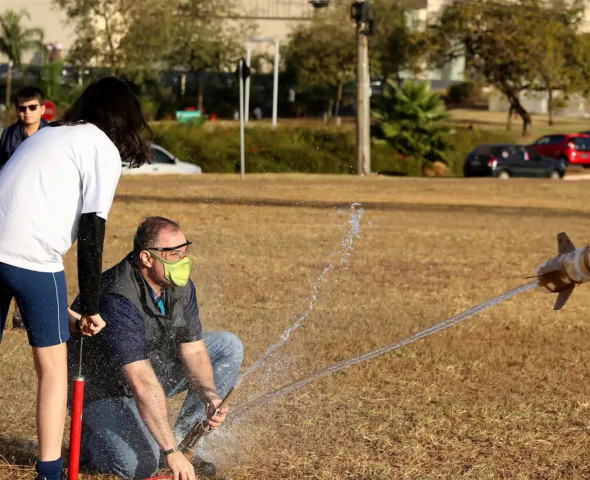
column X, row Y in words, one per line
column 23, row 108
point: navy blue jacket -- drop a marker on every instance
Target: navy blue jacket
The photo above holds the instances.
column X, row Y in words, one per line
column 12, row 137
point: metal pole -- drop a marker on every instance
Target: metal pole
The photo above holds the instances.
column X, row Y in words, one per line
column 182, row 84
column 247, row 109
column 366, row 108
column 275, row 88
column 242, row 155
column 359, row 101
column 363, row 113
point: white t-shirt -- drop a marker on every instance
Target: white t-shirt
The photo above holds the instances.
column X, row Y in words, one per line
column 55, row 176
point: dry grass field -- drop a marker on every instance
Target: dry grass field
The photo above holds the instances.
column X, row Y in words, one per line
column 505, row 394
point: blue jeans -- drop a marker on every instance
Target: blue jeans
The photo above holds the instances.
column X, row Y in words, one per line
column 116, row 440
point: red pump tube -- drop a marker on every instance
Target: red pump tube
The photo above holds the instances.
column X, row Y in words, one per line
column 76, row 432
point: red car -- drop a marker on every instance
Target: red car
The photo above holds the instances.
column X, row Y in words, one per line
column 572, row 148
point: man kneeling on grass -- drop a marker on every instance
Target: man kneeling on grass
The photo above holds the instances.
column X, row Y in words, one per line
column 152, row 347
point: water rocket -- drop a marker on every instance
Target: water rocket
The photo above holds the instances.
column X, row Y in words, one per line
column 562, row 273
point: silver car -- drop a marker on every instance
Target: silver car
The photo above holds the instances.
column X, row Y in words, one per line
column 164, row 163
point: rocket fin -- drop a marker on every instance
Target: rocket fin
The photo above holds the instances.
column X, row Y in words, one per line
column 563, row 297
column 564, row 244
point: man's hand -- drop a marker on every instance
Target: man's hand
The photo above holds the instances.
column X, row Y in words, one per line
column 181, row 468
column 91, row 324
column 215, row 417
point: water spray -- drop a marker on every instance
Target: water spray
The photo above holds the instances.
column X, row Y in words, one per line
column 191, row 440
column 347, row 245
column 76, row 430
column 439, row 327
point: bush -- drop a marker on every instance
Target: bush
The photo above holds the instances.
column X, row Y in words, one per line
column 216, row 148
column 281, row 150
column 467, row 94
column 412, row 119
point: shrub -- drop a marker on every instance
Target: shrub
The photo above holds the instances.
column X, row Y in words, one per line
column 215, row 147
column 412, row 120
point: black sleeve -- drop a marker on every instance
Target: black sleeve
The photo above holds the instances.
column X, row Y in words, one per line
column 90, row 244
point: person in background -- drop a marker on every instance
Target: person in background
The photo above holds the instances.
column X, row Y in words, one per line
column 153, row 347
column 30, row 107
column 58, row 188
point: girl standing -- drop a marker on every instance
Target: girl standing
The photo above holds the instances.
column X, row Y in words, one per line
column 58, row 187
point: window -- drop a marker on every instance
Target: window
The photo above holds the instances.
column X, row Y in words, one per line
column 582, row 144
column 483, row 150
column 161, row 157
column 555, row 139
column 506, row 151
column 533, row 154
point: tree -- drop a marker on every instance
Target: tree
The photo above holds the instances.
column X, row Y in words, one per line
column 397, row 45
column 506, row 42
column 412, row 120
column 552, row 44
column 202, row 38
column 100, row 25
column 580, row 67
column 323, row 52
column 15, row 40
column 141, row 38
column 148, row 39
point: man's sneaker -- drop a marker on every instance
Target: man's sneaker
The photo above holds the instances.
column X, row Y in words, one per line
column 17, row 321
column 204, row 468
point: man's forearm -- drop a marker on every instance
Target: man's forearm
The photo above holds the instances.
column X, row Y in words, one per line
column 151, row 403
column 199, row 372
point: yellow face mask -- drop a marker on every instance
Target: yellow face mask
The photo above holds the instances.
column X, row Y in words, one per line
column 177, row 272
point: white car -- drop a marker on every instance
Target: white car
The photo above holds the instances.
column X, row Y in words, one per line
column 163, row 162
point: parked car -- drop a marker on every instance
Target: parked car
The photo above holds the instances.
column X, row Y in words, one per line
column 163, row 162
column 572, row 148
column 508, row 160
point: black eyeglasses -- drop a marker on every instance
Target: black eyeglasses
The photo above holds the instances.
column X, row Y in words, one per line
column 23, row 108
column 169, row 249
column 173, row 253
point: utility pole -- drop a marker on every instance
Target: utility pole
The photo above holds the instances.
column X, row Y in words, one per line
column 365, row 26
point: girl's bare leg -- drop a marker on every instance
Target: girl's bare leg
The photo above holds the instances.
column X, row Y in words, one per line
column 51, row 367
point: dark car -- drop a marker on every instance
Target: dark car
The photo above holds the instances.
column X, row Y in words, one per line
column 571, row 148
column 507, row 160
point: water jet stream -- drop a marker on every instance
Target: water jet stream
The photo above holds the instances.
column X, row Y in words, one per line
column 346, row 245
column 268, row 397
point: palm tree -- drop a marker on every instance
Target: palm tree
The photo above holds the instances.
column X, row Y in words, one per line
column 15, row 39
column 412, row 119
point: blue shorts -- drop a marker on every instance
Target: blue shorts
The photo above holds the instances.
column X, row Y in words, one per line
column 42, row 299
